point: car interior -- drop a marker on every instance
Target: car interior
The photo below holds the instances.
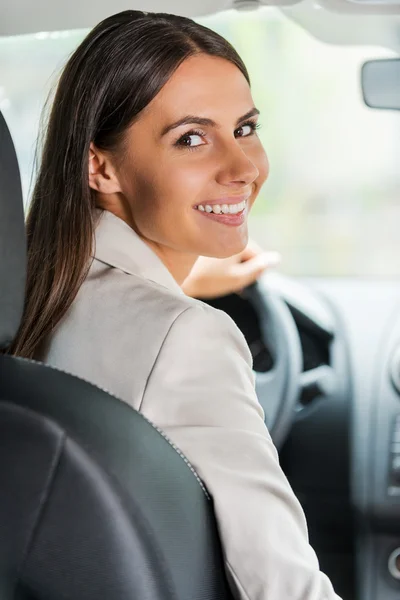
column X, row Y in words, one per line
column 95, row 501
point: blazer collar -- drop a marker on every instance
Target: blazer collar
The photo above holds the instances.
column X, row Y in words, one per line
column 118, row 245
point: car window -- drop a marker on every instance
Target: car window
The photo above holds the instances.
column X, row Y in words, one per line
column 331, row 204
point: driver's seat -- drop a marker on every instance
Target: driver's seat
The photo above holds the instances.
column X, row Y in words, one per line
column 94, row 501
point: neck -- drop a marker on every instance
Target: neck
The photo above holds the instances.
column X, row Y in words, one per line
column 179, row 264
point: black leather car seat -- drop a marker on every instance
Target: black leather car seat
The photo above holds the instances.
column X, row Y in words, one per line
column 95, row 503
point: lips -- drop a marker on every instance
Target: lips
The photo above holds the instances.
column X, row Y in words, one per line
column 226, row 205
column 226, row 219
column 226, row 200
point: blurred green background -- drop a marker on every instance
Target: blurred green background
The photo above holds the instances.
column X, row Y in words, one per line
column 331, row 205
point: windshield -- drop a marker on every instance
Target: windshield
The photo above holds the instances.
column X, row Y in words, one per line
column 331, row 205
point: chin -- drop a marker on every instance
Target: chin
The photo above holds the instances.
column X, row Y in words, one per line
column 227, row 249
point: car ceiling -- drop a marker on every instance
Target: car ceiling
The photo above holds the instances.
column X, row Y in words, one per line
column 32, row 16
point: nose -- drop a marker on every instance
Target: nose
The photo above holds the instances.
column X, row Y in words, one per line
column 236, row 167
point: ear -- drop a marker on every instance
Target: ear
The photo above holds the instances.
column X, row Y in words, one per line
column 102, row 175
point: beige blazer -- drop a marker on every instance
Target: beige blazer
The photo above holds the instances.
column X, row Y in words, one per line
column 187, row 368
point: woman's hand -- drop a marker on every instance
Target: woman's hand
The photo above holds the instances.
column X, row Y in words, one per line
column 214, row 277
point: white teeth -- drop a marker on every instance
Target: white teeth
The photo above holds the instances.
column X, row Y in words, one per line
column 225, row 209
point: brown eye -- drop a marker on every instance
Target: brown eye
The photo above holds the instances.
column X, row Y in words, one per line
column 192, row 139
column 246, row 129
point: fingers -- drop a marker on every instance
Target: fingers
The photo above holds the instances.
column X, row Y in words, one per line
column 273, row 258
column 252, row 249
column 249, row 271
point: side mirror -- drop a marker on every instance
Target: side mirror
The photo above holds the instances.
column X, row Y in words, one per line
column 380, row 80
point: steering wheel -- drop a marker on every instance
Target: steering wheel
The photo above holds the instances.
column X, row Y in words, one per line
column 274, row 342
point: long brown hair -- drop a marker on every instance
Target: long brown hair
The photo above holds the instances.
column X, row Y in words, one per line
column 110, row 78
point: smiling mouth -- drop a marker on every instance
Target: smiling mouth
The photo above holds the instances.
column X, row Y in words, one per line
column 216, row 213
column 222, row 209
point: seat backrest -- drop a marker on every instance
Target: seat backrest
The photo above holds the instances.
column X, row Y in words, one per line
column 95, row 502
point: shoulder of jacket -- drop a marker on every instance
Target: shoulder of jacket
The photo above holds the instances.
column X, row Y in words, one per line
column 201, row 319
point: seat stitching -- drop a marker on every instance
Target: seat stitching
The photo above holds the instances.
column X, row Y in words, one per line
column 102, row 389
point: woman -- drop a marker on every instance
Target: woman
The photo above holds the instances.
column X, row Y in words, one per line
column 151, row 160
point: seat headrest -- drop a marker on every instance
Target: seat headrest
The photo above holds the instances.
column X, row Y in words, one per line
column 12, row 239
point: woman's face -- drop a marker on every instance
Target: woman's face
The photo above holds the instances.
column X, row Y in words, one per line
column 194, row 148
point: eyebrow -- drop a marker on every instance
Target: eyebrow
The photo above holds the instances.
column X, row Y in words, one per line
column 193, row 120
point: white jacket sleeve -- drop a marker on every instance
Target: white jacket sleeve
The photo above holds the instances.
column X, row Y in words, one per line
column 201, row 393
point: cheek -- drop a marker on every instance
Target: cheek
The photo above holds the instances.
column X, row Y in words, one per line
column 185, row 180
column 164, row 189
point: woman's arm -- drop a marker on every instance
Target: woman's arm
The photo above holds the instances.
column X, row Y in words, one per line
column 201, row 393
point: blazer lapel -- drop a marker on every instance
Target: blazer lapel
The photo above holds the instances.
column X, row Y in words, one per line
column 118, row 245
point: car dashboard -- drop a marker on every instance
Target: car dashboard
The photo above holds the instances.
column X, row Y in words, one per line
column 342, row 454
